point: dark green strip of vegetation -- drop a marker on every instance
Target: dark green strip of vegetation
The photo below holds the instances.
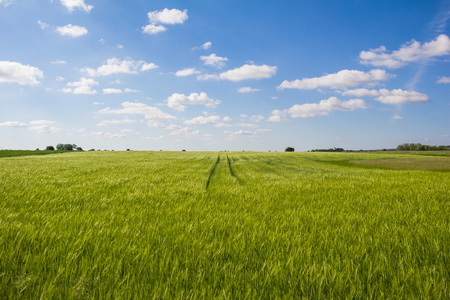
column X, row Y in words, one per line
column 231, row 170
column 12, row 153
column 211, row 172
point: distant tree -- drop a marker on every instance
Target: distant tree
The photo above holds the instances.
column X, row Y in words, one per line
column 128, row 150
column 79, row 149
column 37, row 149
column 184, row 150
column 68, row 147
column 50, row 148
column 289, row 149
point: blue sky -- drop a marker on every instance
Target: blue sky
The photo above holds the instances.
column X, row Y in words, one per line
column 224, row 75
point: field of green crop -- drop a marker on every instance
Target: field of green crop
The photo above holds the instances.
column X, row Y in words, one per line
column 230, row 225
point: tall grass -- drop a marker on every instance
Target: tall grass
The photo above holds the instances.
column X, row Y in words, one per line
column 269, row 225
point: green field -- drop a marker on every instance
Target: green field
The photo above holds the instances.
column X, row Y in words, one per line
column 231, row 225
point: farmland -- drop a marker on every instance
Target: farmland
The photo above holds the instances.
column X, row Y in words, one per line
column 168, row 225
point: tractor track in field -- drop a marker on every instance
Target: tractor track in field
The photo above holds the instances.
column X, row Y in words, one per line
column 231, row 170
column 213, row 170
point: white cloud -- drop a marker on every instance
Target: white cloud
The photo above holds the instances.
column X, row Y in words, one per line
column 203, row 120
column 13, row 124
column 227, row 119
column 114, row 122
column 186, row 72
column 127, row 131
column 444, row 79
column 361, row 93
column 183, row 131
column 177, row 101
column 214, row 60
column 155, row 124
column 130, row 91
column 153, row 29
column 397, row 96
column 150, row 66
column 274, row 98
column 72, row 4
column 324, row 107
column 278, row 116
column 73, row 31
column 42, row 25
column 18, row 73
column 208, row 77
column 150, row 112
column 401, row 97
column 257, row 118
column 247, row 89
column 397, row 117
column 42, row 122
column 242, row 133
column 205, row 46
column 117, row 66
column 410, row 52
column 112, row 91
column 58, row 62
column 43, row 126
column 222, row 124
column 340, row 80
column 166, row 16
column 247, row 125
column 249, row 72
column 82, row 87
column 6, row 2
column 109, row 134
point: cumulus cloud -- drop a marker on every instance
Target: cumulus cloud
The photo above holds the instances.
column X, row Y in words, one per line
column 444, row 79
column 244, row 133
column 179, row 101
column 58, row 62
column 247, row 89
column 112, row 91
column 257, row 118
column 6, row 2
column 397, row 96
column 117, row 66
column 340, row 80
column 73, row 31
column 183, row 131
column 324, row 107
column 205, row 46
column 166, row 16
column 153, row 29
column 82, row 87
column 203, row 120
column 249, row 72
column 13, row 124
column 72, row 4
column 397, row 117
column 214, row 60
column 109, row 134
column 43, row 25
column 43, row 126
column 42, row 122
column 247, row 125
column 278, row 116
column 150, row 112
column 18, row 73
column 150, row 66
column 413, row 51
column 401, row 97
column 186, row 72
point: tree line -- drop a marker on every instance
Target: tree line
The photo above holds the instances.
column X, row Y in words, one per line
column 420, row 147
